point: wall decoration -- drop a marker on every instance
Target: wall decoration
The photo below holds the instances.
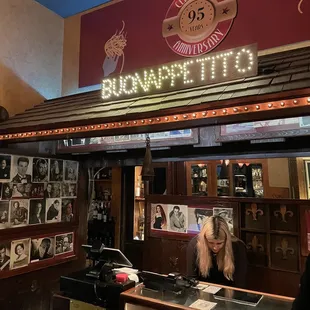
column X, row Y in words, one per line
column 64, row 243
column 4, row 214
column 37, row 190
column 159, row 216
column 20, row 253
column 19, row 212
column 56, row 170
column 22, row 169
column 227, row 214
column 5, row 167
column 40, row 170
column 43, row 248
column 53, row 210
column 149, row 26
column 7, row 190
column 37, row 211
column 5, row 252
column 196, row 218
column 69, row 190
column 67, row 210
column 71, row 170
column 177, row 218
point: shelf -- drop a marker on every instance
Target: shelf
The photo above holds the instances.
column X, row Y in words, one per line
column 103, row 180
column 264, row 231
column 254, row 230
column 139, row 199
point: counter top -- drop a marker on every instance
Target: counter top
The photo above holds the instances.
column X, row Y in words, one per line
column 164, row 300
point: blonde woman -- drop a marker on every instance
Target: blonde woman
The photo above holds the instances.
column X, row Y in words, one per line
column 216, row 256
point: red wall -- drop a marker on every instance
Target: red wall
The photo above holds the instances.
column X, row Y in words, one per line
column 270, row 23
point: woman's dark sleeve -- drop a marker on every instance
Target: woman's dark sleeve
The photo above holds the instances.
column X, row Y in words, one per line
column 191, row 258
column 241, row 264
column 302, row 301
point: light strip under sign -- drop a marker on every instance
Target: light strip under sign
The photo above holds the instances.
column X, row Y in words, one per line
column 214, row 68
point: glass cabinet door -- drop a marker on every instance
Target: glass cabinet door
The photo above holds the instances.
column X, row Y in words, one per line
column 199, row 179
column 223, row 184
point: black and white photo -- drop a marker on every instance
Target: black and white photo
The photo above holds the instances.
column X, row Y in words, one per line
column 52, row 190
column 53, row 210
column 69, row 190
column 42, row 248
column 20, row 253
column 197, row 217
column 22, row 169
column 5, row 167
column 4, row 256
column 7, row 190
column 67, row 210
column 64, row 243
column 227, row 214
column 20, row 190
column 4, row 214
column 71, row 170
column 37, row 190
column 178, row 218
column 37, row 211
column 56, row 170
column 19, row 212
column 40, row 170
column 159, row 216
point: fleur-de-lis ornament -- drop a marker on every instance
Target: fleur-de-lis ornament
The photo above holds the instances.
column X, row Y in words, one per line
column 284, row 249
column 255, row 245
column 254, row 211
column 283, row 212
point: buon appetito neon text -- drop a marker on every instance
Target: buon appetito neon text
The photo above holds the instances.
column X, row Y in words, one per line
column 213, row 68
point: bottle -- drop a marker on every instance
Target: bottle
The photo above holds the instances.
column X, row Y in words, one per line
column 95, row 212
column 104, row 214
column 138, row 189
column 100, row 210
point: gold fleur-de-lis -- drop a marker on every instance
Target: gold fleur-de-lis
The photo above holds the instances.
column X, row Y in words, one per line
column 254, row 211
column 285, row 249
column 255, row 245
column 283, row 212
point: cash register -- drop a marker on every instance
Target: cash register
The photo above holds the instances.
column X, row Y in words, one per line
column 97, row 285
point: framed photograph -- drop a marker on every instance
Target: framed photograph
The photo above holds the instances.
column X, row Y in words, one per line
column 64, row 243
column 21, row 190
column 53, row 210
column 40, row 170
column 227, row 214
column 19, row 212
column 67, row 210
column 159, row 216
column 6, row 191
column 5, row 167
column 43, row 248
column 69, row 190
column 56, row 170
column 21, row 169
column 37, row 190
column 4, row 214
column 177, row 218
column 5, row 253
column 196, row 218
column 20, row 253
column 71, row 170
column 37, row 211
column 52, row 190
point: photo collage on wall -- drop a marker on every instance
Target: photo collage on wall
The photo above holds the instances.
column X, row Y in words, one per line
column 35, row 190
column 20, row 253
column 186, row 219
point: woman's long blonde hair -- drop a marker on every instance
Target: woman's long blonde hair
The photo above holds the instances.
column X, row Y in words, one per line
column 215, row 228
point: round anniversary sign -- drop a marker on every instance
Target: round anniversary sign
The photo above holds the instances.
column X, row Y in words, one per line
column 195, row 27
